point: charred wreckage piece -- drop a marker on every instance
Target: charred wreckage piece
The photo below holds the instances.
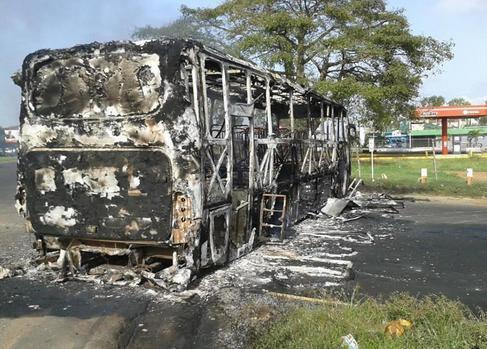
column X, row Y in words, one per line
column 159, row 154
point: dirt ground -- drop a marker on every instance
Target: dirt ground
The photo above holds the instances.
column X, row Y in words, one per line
column 429, row 247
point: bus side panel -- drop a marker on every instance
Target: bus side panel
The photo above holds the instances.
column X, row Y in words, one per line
column 113, row 195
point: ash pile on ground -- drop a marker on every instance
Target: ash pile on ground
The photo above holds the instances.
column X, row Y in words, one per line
column 241, row 297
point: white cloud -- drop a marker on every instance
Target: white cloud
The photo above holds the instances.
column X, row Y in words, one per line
column 462, row 6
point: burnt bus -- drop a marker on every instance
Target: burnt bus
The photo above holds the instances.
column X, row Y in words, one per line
column 168, row 150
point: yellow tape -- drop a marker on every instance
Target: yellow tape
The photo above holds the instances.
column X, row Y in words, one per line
column 420, row 157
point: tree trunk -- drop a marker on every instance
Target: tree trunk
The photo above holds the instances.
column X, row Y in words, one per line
column 300, row 60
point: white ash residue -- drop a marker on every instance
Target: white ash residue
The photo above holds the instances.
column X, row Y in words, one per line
column 319, row 254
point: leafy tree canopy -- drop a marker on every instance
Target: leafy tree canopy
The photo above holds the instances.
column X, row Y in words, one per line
column 483, row 121
column 459, row 101
column 2, row 135
column 357, row 51
column 433, row 101
column 181, row 28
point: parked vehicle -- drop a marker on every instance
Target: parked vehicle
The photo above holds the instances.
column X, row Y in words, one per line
column 167, row 151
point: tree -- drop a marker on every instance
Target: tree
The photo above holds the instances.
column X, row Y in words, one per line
column 2, row 139
column 181, row 28
column 473, row 135
column 483, row 121
column 458, row 102
column 433, row 101
column 356, row 50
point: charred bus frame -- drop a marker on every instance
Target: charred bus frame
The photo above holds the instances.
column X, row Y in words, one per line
column 166, row 150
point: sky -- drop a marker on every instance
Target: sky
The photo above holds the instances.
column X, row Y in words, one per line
column 30, row 25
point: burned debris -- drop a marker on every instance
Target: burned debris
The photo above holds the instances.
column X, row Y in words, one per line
column 159, row 156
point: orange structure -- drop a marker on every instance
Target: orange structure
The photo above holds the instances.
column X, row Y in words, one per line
column 445, row 113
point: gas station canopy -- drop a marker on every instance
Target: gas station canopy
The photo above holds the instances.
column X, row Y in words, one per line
column 454, row 112
column 457, row 112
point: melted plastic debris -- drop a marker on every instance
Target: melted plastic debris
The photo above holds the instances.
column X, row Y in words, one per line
column 360, row 205
column 376, row 201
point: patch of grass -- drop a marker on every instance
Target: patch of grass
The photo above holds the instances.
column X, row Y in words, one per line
column 7, row 159
column 401, row 176
column 437, row 323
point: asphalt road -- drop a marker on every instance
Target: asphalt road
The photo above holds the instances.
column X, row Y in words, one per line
column 39, row 314
column 434, row 248
column 439, row 247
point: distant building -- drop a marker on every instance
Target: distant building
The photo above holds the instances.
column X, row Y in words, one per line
column 12, row 135
column 9, row 145
column 460, row 140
